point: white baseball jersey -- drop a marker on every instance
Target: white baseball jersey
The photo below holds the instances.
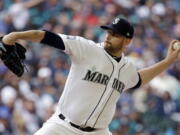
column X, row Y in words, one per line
column 94, row 84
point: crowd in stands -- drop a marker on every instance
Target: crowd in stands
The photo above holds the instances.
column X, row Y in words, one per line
column 27, row 102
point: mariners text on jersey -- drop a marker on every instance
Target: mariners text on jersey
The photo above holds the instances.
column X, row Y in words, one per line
column 103, row 79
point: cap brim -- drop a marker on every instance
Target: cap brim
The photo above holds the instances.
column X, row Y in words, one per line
column 106, row 27
column 110, row 27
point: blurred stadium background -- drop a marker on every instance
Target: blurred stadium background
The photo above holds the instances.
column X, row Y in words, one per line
column 26, row 102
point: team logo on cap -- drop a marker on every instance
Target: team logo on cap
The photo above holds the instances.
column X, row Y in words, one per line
column 116, row 21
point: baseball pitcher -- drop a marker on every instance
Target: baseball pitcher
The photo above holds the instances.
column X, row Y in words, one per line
column 99, row 74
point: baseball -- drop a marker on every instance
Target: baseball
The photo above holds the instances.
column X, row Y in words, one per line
column 176, row 46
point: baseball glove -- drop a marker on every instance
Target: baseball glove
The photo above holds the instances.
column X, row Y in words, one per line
column 13, row 57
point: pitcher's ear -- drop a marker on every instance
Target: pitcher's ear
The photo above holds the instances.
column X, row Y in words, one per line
column 127, row 41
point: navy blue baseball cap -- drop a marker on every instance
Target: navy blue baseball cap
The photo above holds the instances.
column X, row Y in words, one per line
column 121, row 26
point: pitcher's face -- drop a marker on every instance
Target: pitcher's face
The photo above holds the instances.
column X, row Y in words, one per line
column 115, row 42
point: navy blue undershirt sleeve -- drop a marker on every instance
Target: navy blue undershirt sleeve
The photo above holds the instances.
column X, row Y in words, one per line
column 52, row 39
column 138, row 84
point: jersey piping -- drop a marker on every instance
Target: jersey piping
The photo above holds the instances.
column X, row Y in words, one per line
column 109, row 96
column 102, row 93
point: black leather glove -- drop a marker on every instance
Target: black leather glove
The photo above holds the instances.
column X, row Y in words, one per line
column 13, row 57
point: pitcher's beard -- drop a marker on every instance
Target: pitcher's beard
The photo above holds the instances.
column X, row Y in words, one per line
column 110, row 49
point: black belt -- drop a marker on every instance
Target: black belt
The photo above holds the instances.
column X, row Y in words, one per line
column 87, row 129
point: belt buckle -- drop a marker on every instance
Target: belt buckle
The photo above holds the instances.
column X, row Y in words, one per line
column 84, row 128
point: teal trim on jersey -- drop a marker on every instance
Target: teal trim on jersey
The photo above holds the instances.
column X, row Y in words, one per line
column 102, row 93
column 109, row 96
column 138, row 83
column 103, row 108
column 119, row 73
